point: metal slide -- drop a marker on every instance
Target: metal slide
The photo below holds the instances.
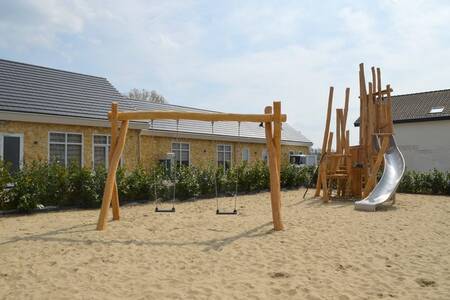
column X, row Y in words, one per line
column 394, row 168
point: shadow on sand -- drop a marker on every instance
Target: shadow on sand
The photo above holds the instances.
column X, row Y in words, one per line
column 208, row 245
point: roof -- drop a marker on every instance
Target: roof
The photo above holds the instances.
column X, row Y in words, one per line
column 416, row 107
column 32, row 89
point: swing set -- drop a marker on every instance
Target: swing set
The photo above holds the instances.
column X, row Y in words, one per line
column 272, row 120
column 172, row 170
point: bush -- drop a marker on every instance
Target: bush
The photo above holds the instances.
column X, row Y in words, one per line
column 57, row 185
column 5, row 179
column 137, row 184
column 40, row 183
column 82, row 190
column 206, row 181
column 187, row 184
column 30, row 187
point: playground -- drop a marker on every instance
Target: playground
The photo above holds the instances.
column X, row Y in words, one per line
column 328, row 251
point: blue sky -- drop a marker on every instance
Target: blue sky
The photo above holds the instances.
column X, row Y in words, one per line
column 237, row 56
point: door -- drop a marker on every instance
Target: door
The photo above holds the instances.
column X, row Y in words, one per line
column 12, row 152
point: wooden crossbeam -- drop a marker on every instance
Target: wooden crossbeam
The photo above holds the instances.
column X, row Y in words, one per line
column 209, row 117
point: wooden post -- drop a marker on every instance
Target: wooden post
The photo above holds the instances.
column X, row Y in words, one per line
column 115, row 196
column 347, row 99
column 109, row 185
column 338, row 131
column 277, row 131
column 324, row 171
column 379, row 82
column 389, row 118
column 325, row 140
column 348, row 164
column 370, row 123
column 363, row 136
column 275, row 192
column 374, row 81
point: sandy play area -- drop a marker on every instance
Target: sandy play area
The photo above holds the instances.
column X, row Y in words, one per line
column 326, row 252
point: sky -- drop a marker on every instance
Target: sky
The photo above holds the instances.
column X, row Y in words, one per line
column 238, row 56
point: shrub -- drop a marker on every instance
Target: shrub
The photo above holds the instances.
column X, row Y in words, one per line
column 82, row 190
column 187, row 185
column 57, row 185
column 256, row 177
column 407, row 183
column 30, row 187
column 137, row 184
column 5, row 179
column 206, row 181
column 438, row 182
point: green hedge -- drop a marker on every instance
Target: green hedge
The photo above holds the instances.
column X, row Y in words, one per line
column 45, row 184
column 39, row 183
column 432, row 182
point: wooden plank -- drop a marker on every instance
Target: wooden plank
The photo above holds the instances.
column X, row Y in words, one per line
column 325, row 139
column 115, row 196
column 109, row 185
column 209, row 117
column 275, row 192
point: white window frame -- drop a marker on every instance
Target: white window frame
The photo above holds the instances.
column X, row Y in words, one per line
column 108, row 138
column 180, row 150
column 66, row 143
column 107, row 145
column 265, row 154
column 437, row 110
column 248, row 154
column 231, row 155
column 2, row 150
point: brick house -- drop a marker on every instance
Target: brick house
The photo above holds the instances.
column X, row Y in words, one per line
column 54, row 115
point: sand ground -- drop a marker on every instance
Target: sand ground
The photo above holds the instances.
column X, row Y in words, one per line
column 326, row 252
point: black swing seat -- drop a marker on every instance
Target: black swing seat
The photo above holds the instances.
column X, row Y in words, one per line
column 166, row 210
column 234, row 212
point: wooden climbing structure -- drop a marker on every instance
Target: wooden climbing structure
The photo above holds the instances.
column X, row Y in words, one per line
column 347, row 171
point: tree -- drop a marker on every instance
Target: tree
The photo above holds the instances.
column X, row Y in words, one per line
column 145, row 95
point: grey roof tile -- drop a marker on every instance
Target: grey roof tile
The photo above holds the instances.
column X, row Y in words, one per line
column 416, row 107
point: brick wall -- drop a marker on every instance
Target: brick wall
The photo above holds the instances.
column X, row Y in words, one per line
column 152, row 149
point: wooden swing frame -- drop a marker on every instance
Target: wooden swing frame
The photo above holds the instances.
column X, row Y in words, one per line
column 272, row 120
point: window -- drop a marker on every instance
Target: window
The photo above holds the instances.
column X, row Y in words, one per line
column 181, row 151
column 11, row 150
column 102, row 146
column 245, row 154
column 65, row 148
column 265, row 155
column 224, row 156
column 436, row 109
